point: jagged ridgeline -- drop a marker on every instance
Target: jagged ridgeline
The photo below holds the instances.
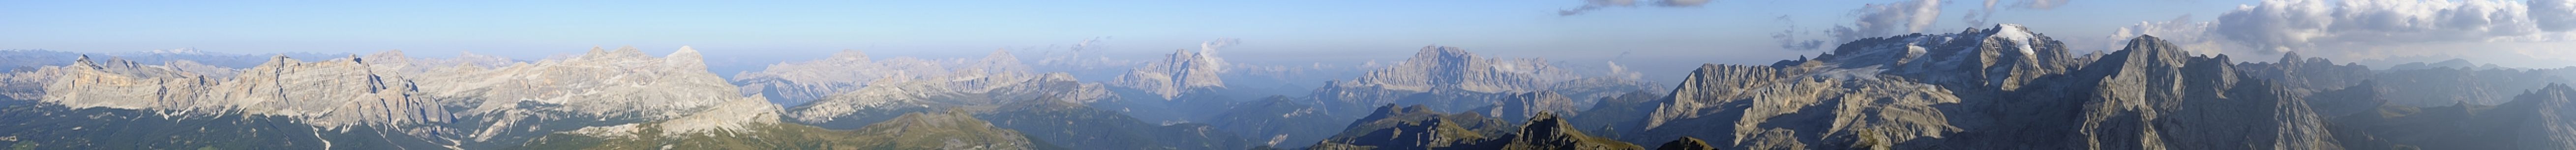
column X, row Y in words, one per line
column 1999, row 87
column 2007, row 88
column 380, row 101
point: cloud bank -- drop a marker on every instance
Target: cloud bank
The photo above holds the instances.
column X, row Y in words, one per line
column 1886, row 19
column 1590, row 5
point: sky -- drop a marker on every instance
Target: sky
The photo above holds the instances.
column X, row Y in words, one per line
column 1661, row 38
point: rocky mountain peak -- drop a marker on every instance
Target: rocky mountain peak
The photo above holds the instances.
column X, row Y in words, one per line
column 1686, row 143
column 686, row 59
column 1177, row 72
column 2292, row 58
column 2003, row 57
column 1440, row 67
column 84, row 62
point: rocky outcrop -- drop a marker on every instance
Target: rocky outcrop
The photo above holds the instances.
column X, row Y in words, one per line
column 2143, row 92
column 1685, row 143
column 1415, row 127
column 462, row 101
column 847, row 108
column 2297, row 71
column 1528, row 105
column 2150, row 95
column 624, row 83
column 1177, row 72
column 502, row 106
column 1546, row 131
column 334, row 93
column 1740, row 104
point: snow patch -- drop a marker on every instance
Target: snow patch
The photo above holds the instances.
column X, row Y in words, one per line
column 2015, row 33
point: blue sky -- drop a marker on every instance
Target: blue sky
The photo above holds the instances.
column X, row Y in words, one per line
column 1296, row 32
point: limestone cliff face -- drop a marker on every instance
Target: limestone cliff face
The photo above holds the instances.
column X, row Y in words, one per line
column 333, row 93
column 1177, row 72
column 1444, row 68
column 460, row 99
column 812, row 79
column 2150, row 95
column 1437, row 67
column 1743, row 105
column 624, row 83
column 945, row 94
column 2153, row 95
column 2551, row 123
column 798, row 83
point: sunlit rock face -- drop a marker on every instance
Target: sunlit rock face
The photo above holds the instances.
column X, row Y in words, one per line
column 339, row 92
column 795, row 83
column 621, row 83
column 1990, row 88
column 1174, row 73
column 980, row 84
column 468, row 99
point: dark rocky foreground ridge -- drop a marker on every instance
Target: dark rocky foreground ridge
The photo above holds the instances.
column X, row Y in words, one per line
column 1984, row 88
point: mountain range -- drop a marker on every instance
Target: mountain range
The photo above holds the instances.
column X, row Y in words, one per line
column 1997, row 87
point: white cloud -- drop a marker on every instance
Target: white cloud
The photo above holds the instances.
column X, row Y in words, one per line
column 2554, row 15
column 1789, row 38
column 1884, row 19
column 2182, row 31
column 1980, row 17
column 2371, row 29
column 1590, row 5
column 2041, row 4
column 2286, row 25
